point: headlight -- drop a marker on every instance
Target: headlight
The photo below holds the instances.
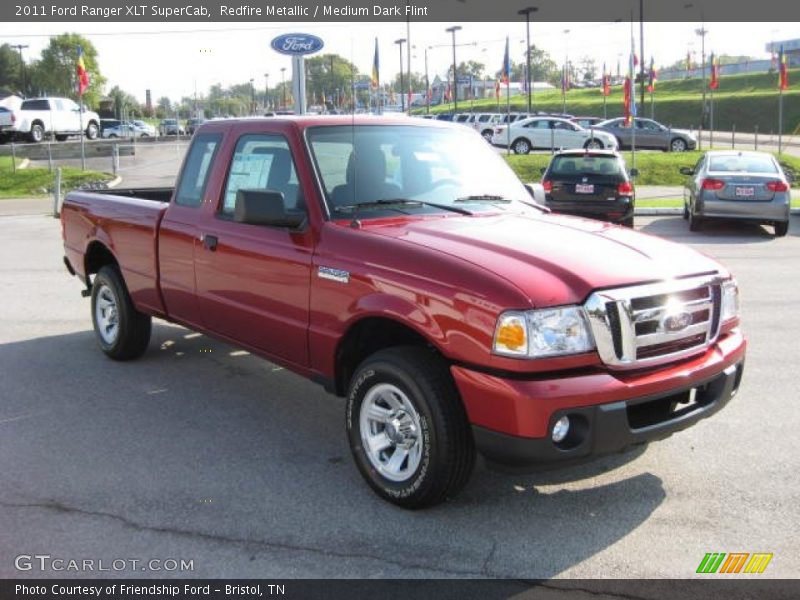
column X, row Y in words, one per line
column 730, row 301
column 543, row 333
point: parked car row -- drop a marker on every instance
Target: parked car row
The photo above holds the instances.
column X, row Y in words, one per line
column 724, row 184
column 114, row 128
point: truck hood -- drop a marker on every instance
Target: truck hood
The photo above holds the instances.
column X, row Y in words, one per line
column 552, row 259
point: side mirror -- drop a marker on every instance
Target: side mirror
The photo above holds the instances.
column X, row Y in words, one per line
column 634, row 172
column 542, row 170
column 536, row 190
column 265, row 207
column 687, row 171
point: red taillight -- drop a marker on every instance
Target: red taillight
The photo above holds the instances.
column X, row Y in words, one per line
column 777, row 186
column 625, row 188
column 547, row 185
column 712, row 184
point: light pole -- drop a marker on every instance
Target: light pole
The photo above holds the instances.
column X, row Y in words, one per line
column 565, row 77
column 400, row 43
column 20, row 48
column 702, row 33
column 453, row 30
column 283, row 86
column 528, row 78
column 641, row 52
column 427, row 84
column 252, row 97
column 266, row 92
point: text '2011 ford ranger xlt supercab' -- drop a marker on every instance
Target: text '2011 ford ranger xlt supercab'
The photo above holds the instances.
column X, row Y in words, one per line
column 401, row 264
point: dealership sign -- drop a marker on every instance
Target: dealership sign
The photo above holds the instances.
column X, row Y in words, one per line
column 297, row 44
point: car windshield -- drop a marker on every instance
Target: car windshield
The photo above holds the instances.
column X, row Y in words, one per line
column 366, row 164
column 569, row 165
column 742, row 164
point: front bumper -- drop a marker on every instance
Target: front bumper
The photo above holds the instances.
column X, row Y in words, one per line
column 512, row 419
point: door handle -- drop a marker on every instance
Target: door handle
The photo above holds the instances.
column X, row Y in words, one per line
column 210, row 242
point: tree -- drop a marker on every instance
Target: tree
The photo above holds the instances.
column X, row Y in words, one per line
column 123, row 103
column 543, row 68
column 327, row 73
column 56, row 71
column 10, row 69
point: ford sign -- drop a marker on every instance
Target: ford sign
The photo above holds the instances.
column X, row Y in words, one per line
column 297, row 44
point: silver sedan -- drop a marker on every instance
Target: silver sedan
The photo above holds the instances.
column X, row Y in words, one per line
column 749, row 186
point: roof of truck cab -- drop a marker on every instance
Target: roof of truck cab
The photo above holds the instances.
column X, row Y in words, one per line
column 306, row 121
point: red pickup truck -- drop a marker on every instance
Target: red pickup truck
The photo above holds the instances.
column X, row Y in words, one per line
column 401, row 264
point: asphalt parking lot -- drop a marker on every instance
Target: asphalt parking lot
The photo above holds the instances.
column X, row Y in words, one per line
column 199, row 452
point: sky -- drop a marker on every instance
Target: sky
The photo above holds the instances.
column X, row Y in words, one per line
column 172, row 59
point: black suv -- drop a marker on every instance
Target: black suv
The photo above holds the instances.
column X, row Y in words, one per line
column 590, row 183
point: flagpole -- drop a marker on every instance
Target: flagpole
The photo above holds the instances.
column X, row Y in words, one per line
column 632, row 92
column 83, row 133
column 711, row 119
column 780, row 120
column 508, row 113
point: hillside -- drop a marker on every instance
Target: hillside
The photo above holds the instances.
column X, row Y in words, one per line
column 744, row 101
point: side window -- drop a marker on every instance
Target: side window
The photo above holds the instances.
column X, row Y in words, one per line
column 194, row 178
column 262, row 162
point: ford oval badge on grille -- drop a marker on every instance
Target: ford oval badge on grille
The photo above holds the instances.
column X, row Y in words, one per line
column 677, row 322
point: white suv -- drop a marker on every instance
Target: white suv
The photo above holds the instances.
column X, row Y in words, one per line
column 38, row 117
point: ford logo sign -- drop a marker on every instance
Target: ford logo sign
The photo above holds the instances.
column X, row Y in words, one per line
column 297, row 44
column 677, row 322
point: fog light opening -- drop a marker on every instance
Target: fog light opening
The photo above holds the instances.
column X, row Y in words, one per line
column 560, row 429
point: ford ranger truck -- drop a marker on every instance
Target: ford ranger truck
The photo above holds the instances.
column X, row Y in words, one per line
column 401, row 264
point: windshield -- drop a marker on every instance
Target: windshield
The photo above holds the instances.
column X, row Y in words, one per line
column 742, row 164
column 368, row 163
column 580, row 165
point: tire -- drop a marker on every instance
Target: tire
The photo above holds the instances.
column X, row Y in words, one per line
column 677, row 145
column 521, row 146
column 593, row 144
column 695, row 222
column 627, row 222
column 92, row 131
column 415, row 410
column 781, row 228
column 37, row 133
column 487, row 135
column 122, row 332
column 685, row 212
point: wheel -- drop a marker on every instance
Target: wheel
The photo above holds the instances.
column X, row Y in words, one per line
column 593, row 144
column 37, row 132
column 677, row 145
column 112, row 135
column 122, row 332
column 627, row 222
column 781, row 228
column 695, row 222
column 92, row 131
column 407, row 428
column 685, row 211
column 487, row 134
column 521, row 146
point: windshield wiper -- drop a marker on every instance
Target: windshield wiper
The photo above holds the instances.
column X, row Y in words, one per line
column 482, row 198
column 388, row 202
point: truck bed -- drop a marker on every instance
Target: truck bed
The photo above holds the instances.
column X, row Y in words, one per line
column 126, row 222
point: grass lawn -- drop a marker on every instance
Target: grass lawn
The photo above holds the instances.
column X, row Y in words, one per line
column 26, row 183
column 655, row 168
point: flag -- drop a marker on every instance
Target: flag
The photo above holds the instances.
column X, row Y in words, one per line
column 714, row 82
column 783, row 72
column 83, row 75
column 376, row 71
column 651, row 84
column 505, row 73
column 626, row 100
column 606, row 82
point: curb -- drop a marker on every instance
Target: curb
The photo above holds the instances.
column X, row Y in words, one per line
column 114, row 182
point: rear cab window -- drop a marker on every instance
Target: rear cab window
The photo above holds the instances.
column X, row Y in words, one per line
column 35, row 105
column 742, row 164
column 194, row 177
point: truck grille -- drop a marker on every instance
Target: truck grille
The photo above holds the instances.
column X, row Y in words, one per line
column 652, row 324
